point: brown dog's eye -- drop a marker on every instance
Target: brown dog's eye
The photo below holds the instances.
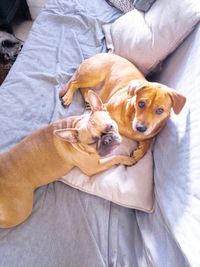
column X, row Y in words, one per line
column 159, row 111
column 141, row 104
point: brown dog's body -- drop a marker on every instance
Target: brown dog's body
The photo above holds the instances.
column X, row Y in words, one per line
column 140, row 108
column 50, row 153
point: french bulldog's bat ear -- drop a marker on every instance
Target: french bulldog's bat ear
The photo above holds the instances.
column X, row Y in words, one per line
column 135, row 86
column 178, row 100
column 69, row 134
column 95, row 101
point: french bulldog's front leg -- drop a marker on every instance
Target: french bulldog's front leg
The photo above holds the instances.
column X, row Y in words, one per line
column 116, row 160
column 108, row 162
column 141, row 150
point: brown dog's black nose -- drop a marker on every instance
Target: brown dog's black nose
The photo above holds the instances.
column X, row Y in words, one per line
column 141, row 128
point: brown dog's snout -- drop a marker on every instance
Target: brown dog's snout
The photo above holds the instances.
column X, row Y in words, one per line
column 141, row 127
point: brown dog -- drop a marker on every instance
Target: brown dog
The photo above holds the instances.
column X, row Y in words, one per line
column 51, row 152
column 139, row 107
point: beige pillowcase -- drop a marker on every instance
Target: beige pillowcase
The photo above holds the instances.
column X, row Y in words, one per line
column 131, row 187
column 147, row 38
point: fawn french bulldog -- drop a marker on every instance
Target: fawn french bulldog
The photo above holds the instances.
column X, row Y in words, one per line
column 51, row 152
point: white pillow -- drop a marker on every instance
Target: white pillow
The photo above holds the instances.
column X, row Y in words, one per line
column 147, row 38
column 130, row 187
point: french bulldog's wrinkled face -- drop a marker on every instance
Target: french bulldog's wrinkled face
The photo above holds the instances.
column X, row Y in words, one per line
column 94, row 133
column 9, row 47
column 100, row 134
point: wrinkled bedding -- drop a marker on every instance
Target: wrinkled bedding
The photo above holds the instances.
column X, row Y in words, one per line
column 69, row 227
column 171, row 234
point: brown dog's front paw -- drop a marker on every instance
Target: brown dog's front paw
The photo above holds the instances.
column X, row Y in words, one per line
column 141, row 150
column 129, row 161
column 137, row 155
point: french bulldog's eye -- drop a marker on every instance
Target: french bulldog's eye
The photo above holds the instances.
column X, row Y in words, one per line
column 109, row 128
column 159, row 111
column 141, row 104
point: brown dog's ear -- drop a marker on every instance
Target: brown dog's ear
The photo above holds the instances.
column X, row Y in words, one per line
column 95, row 101
column 69, row 134
column 135, row 86
column 178, row 100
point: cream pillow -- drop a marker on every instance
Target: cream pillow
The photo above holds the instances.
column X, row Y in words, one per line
column 131, row 187
column 147, row 38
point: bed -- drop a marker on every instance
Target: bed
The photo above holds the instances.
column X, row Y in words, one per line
column 69, row 227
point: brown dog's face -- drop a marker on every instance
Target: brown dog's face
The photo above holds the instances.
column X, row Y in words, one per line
column 152, row 104
column 95, row 133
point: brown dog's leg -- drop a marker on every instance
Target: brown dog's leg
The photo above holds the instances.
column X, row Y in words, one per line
column 84, row 78
column 141, row 150
column 66, row 94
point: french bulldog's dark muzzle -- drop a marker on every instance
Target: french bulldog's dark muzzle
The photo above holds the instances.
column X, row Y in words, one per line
column 107, row 143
